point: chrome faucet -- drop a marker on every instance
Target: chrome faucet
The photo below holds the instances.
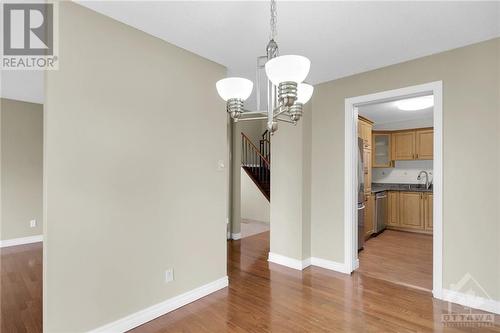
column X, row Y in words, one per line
column 427, row 183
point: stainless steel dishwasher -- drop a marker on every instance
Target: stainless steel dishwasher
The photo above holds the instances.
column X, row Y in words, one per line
column 380, row 211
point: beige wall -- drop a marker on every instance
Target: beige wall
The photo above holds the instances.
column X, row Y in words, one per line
column 21, row 168
column 254, row 205
column 290, row 186
column 134, row 133
column 471, row 133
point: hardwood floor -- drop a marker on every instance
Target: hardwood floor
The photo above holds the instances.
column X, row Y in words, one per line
column 21, row 288
column 261, row 297
column 264, row 297
column 400, row 257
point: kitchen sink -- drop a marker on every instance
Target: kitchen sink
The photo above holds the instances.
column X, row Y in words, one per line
column 418, row 187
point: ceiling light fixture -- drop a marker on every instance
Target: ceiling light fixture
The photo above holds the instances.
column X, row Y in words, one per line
column 286, row 92
column 416, row 103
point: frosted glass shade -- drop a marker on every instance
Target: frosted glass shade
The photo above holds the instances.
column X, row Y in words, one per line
column 293, row 68
column 234, row 87
column 304, row 92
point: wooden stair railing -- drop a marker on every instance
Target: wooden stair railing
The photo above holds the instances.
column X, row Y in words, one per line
column 265, row 145
column 256, row 165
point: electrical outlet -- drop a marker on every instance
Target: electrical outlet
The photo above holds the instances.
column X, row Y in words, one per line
column 169, row 275
column 220, row 165
column 32, row 223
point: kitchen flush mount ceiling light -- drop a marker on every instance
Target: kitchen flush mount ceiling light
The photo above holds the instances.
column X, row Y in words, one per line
column 416, row 103
column 286, row 94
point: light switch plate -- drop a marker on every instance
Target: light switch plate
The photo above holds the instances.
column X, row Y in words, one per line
column 32, row 223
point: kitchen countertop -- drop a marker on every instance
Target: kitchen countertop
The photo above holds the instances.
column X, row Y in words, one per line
column 379, row 187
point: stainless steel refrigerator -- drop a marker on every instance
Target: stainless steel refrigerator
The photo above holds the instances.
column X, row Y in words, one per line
column 361, row 196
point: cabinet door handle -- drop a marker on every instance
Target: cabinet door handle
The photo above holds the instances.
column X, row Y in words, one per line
column 417, row 155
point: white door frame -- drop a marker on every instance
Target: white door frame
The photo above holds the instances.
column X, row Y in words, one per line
column 351, row 161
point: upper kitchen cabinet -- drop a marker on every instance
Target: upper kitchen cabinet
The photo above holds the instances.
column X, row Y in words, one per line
column 382, row 150
column 365, row 131
column 424, row 144
column 416, row 144
column 403, row 145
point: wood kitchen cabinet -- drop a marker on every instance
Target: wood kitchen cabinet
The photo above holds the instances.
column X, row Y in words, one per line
column 365, row 127
column 411, row 210
column 428, row 211
column 381, row 148
column 365, row 133
column 417, row 144
column 369, row 215
column 367, row 167
column 424, row 144
column 403, row 145
column 393, row 208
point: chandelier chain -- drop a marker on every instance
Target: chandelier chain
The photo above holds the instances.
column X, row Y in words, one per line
column 273, row 20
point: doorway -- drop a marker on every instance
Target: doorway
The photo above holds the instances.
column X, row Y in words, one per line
column 353, row 156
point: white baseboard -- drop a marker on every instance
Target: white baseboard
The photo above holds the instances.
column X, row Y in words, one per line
column 289, row 262
column 236, row 236
column 21, row 241
column 471, row 301
column 328, row 264
column 301, row 264
column 155, row 311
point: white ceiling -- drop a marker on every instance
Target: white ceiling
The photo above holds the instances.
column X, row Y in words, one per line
column 387, row 113
column 340, row 38
column 23, row 85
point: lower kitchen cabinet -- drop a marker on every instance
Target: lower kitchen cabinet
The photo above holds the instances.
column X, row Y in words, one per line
column 428, row 209
column 369, row 215
column 410, row 211
column 393, row 208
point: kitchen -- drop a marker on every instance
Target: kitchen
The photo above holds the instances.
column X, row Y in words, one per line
column 395, row 206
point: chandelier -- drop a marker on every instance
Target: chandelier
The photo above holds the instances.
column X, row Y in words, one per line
column 286, row 91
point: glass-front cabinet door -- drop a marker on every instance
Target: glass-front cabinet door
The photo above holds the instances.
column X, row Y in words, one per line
column 382, row 150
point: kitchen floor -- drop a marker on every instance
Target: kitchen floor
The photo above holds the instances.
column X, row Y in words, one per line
column 400, row 257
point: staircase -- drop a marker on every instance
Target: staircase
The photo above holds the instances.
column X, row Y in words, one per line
column 256, row 162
